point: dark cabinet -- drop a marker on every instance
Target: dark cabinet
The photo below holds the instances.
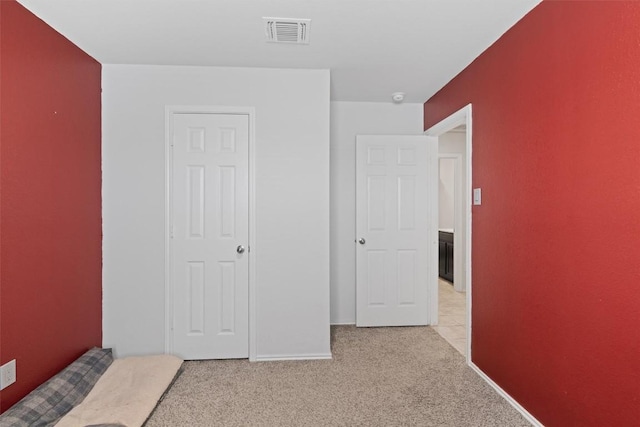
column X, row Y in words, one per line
column 445, row 255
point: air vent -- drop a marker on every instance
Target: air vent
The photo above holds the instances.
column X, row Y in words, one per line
column 286, row 30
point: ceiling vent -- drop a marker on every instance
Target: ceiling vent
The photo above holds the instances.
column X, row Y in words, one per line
column 286, row 30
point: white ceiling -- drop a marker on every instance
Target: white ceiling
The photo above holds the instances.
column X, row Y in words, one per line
column 373, row 47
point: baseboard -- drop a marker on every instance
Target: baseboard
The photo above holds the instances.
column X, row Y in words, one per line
column 343, row 324
column 276, row 357
column 506, row 396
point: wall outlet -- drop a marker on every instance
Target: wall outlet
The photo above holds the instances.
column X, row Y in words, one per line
column 7, row 374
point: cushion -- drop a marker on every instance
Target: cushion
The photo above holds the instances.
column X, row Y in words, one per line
column 127, row 393
column 45, row 405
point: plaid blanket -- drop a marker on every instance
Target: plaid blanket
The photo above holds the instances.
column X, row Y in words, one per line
column 44, row 406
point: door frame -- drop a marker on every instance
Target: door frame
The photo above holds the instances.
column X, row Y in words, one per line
column 460, row 117
column 170, row 111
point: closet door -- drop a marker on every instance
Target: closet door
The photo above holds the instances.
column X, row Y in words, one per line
column 210, row 234
column 396, row 226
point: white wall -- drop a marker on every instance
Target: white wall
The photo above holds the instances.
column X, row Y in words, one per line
column 446, row 192
column 452, row 142
column 349, row 119
column 292, row 200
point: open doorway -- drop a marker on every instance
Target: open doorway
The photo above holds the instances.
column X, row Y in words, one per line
column 451, row 300
column 451, row 235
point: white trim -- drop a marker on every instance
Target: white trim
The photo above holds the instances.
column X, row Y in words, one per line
column 506, row 396
column 343, row 323
column 253, row 246
column 168, row 290
column 170, row 110
column 462, row 116
column 458, row 118
column 277, row 357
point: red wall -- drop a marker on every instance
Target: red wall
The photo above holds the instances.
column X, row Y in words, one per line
column 50, row 202
column 556, row 242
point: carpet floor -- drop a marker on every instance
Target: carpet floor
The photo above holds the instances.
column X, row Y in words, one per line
column 404, row 376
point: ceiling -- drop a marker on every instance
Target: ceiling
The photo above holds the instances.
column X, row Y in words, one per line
column 372, row 47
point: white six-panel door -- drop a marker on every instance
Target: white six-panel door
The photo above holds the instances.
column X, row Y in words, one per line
column 209, row 236
column 396, row 229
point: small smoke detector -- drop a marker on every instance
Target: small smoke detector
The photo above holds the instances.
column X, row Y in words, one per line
column 287, row 30
column 397, row 97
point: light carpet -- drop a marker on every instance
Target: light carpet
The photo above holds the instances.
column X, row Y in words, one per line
column 404, row 376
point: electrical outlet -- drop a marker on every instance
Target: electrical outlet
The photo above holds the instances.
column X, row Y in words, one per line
column 7, row 374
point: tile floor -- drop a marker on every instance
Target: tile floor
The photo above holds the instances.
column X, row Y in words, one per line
column 451, row 316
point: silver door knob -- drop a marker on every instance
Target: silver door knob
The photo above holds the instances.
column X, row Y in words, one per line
column 240, row 249
column 362, row 241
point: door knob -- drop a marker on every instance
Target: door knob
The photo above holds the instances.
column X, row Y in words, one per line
column 240, row 249
column 362, row 241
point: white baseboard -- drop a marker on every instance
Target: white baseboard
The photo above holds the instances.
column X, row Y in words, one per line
column 506, row 396
column 276, row 357
column 343, row 323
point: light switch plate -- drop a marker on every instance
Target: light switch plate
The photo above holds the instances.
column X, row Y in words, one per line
column 477, row 196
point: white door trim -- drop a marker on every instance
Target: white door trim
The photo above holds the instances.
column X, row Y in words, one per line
column 170, row 110
column 462, row 116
